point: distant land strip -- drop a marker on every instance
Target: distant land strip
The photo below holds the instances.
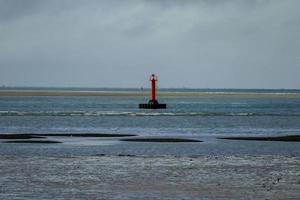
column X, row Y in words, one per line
column 143, row 93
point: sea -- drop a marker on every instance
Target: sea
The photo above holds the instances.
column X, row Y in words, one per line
column 214, row 114
column 109, row 168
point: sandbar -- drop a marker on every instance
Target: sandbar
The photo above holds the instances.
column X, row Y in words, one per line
column 18, row 136
column 83, row 135
column 160, row 139
column 288, row 138
column 33, row 141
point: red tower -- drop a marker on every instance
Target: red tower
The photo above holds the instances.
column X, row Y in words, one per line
column 153, row 103
column 153, row 79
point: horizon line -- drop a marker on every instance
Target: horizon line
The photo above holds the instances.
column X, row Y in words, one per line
column 138, row 88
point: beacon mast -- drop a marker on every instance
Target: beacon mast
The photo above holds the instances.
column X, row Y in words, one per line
column 153, row 103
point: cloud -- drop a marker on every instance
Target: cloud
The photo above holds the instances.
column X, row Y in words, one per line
column 231, row 43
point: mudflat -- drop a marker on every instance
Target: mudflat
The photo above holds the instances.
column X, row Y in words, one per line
column 18, row 136
column 44, row 135
column 159, row 139
column 33, row 141
column 288, row 138
column 84, row 135
column 139, row 177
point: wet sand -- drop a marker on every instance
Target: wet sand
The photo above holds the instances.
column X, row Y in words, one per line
column 125, row 177
column 85, row 135
column 33, row 141
column 18, row 136
column 289, row 138
column 159, row 139
column 44, row 135
column 70, row 171
column 131, row 138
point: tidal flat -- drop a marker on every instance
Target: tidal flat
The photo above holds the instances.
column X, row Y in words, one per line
column 117, row 168
column 140, row 177
column 287, row 138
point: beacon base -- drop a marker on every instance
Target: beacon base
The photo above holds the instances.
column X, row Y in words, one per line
column 152, row 105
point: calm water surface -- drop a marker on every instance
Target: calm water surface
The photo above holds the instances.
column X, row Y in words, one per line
column 199, row 116
column 203, row 117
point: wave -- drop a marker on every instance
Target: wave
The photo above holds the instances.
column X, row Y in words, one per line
column 113, row 113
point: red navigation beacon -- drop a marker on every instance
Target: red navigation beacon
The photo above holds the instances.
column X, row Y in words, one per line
column 153, row 79
column 153, row 103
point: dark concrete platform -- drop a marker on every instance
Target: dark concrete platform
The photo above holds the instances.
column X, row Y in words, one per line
column 152, row 104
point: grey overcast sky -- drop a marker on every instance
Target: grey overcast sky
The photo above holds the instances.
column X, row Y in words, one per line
column 193, row 44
